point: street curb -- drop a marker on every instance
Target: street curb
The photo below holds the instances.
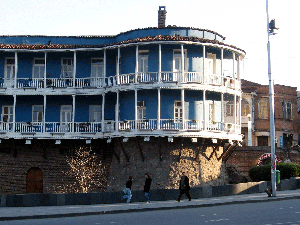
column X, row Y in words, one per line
column 53, row 216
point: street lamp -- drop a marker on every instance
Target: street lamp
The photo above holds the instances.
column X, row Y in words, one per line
column 270, row 29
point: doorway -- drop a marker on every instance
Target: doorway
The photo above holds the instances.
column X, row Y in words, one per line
column 34, row 180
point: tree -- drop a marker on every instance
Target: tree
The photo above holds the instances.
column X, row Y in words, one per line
column 87, row 171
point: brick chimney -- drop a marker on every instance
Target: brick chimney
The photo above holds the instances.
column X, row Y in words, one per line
column 162, row 17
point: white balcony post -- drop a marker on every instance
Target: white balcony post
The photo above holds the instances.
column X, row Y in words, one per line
column 158, row 108
column 222, row 65
column 16, row 69
column 159, row 63
column 182, row 63
column 234, row 112
column 136, row 63
column 118, row 61
column 14, row 113
column 104, row 64
column 45, row 71
column 204, row 78
column 44, row 114
column 222, row 111
column 74, row 71
column 73, row 114
column 204, row 109
column 183, row 108
column 117, row 113
column 135, row 109
column 102, row 109
column 233, row 73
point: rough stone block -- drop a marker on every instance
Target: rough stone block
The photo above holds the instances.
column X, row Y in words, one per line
column 207, row 191
column 60, row 199
column 14, row 200
column 223, row 190
column 31, row 200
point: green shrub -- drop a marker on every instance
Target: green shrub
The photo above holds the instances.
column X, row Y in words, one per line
column 263, row 173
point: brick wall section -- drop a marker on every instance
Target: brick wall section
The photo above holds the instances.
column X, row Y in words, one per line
column 247, row 157
column 167, row 171
column 50, row 158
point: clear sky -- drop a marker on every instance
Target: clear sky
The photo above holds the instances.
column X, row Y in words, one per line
column 242, row 22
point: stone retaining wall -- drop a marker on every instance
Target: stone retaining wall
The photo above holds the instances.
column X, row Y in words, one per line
column 31, row 200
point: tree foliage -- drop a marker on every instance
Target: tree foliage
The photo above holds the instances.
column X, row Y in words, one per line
column 86, row 170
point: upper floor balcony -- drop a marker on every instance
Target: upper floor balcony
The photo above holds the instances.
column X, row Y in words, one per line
column 122, row 80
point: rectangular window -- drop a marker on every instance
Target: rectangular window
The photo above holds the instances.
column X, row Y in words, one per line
column 7, row 114
column 143, row 61
column 229, row 108
column 67, row 68
column 211, row 62
column 9, row 72
column 141, row 110
column 38, row 68
column 37, row 113
column 263, row 110
column 95, row 113
column 287, row 110
column 178, row 111
column 66, row 114
column 177, row 60
column 97, row 69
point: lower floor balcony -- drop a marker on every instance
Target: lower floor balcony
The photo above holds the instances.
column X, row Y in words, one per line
column 111, row 127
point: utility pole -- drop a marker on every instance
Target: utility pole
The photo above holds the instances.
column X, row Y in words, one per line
column 270, row 29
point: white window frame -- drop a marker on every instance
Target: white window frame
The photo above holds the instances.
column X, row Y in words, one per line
column 229, row 109
column 95, row 111
column 179, row 58
column 38, row 66
column 141, row 110
column 12, row 72
column 99, row 68
column 211, row 63
column 67, row 70
column 178, row 111
column 10, row 113
column 62, row 110
column 143, row 61
column 37, row 112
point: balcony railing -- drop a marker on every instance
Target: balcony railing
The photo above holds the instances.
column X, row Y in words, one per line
column 126, row 125
column 123, row 79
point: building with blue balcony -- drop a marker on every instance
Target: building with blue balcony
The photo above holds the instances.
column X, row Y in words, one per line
column 162, row 84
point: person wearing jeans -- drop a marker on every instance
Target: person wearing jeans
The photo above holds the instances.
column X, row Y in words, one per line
column 128, row 194
column 147, row 187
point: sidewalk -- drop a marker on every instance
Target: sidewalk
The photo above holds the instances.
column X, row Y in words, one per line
column 20, row 213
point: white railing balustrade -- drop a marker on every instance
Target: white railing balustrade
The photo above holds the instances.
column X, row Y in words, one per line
column 194, row 125
column 90, row 82
column 147, row 77
column 193, row 77
column 59, row 82
column 29, row 127
column 127, row 125
column 30, row 83
column 57, row 127
column 6, row 127
column 147, row 124
column 170, row 124
column 214, row 126
column 88, row 127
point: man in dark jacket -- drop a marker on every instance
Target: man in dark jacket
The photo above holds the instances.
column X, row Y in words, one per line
column 147, row 187
column 184, row 187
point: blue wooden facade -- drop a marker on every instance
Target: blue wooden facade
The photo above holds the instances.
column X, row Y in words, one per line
column 171, row 81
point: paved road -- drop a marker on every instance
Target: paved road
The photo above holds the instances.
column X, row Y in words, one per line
column 265, row 213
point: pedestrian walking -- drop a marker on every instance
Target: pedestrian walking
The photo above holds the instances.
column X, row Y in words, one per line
column 147, row 187
column 127, row 190
column 184, row 187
